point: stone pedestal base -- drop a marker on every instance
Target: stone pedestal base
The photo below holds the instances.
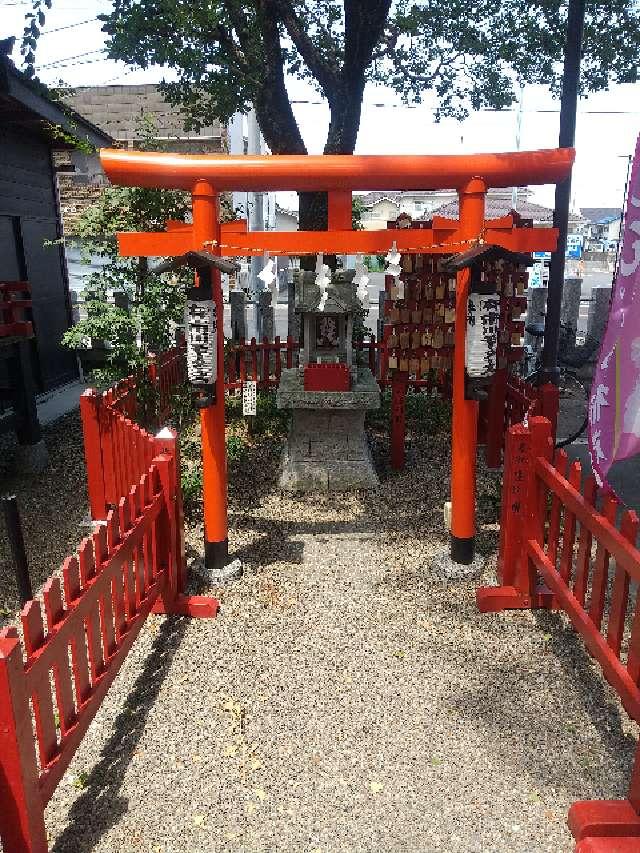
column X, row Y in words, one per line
column 327, row 448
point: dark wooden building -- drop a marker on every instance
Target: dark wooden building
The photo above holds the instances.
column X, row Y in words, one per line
column 32, row 127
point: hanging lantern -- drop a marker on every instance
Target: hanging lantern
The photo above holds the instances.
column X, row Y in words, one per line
column 483, row 313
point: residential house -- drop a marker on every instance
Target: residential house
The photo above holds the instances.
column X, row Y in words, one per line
column 33, row 126
column 603, row 228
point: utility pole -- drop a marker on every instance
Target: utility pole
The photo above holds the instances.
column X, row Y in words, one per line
column 514, row 191
column 568, row 110
column 255, row 199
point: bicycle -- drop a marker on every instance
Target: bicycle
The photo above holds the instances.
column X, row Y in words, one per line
column 570, row 384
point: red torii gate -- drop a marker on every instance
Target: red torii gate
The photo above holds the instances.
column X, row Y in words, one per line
column 207, row 175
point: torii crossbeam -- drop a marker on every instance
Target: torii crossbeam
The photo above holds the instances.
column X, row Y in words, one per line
column 205, row 176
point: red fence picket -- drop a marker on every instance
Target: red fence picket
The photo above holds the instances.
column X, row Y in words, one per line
column 166, row 371
column 130, row 566
column 559, row 541
column 258, row 362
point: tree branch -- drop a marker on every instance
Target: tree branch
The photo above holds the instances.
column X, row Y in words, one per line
column 326, row 74
column 273, row 108
column 364, row 23
column 225, row 38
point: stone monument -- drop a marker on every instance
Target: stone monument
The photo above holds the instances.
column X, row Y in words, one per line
column 329, row 394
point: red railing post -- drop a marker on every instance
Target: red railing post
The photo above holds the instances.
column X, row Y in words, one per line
column 496, row 419
column 166, row 447
column 174, row 599
column 22, row 827
column 289, row 352
column 90, row 404
column 278, row 361
column 266, row 367
column 398, row 420
column 522, row 518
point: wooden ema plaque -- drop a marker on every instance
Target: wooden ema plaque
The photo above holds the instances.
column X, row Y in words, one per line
column 419, row 316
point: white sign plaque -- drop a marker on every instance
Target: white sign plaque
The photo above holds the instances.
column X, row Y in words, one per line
column 483, row 316
column 249, row 389
column 202, row 332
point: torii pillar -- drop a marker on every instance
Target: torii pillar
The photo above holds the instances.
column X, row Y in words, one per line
column 206, row 234
column 464, row 427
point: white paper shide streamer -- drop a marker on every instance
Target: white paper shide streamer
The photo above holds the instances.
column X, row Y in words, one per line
column 323, row 280
column 483, row 314
column 268, row 275
column 392, row 261
column 362, row 280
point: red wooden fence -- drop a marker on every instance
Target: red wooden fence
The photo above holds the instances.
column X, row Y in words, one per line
column 565, row 543
column 117, row 450
column 15, row 298
column 259, row 362
column 167, row 370
column 132, row 565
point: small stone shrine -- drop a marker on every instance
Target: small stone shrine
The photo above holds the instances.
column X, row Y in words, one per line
column 329, row 393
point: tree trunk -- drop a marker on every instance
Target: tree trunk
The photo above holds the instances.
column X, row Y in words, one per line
column 341, row 139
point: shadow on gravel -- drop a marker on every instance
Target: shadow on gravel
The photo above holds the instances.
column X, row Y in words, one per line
column 596, row 698
column 99, row 807
column 533, row 727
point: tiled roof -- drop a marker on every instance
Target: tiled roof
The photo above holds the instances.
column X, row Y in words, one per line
column 601, row 214
column 496, row 207
column 120, row 109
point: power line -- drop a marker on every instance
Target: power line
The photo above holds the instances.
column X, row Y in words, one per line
column 64, row 59
column 68, row 27
column 484, row 110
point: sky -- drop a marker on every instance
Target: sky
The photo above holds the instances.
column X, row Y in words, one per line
column 71, row 48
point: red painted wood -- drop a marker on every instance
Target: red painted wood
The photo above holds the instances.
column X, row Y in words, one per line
column 601, row 566
column 561, row 462
column 290, row 348
column 583, row 559
column 614, row 671
column 513, row 509
column 606, row 819
column 90, row 415
column 278, row 360
column 22, row 828
column 34, row 639
column 569, row 532
column 495, row 432
column 124, row 518
column 254, row 360
column 108, row 452
column 55, row 614
column 606, row 534
column 107, row 629
column 92, row 621
column 620, row 592
column 265, row 361
column 398, row 423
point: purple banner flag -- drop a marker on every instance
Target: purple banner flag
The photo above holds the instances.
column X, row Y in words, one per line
column 614, row 403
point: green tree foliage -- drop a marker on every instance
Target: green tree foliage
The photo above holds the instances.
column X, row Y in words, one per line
column 230, row 54
column 156, row 302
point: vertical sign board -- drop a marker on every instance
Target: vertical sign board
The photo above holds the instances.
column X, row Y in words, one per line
column 202, row 333
column 249, row 397
column 483, row 315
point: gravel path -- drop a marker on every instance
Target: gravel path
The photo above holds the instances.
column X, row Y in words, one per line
column 346, row 699
column 52, row 506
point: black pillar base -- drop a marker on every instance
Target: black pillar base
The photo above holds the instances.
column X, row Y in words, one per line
column 216, row 554
column 462, row 550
